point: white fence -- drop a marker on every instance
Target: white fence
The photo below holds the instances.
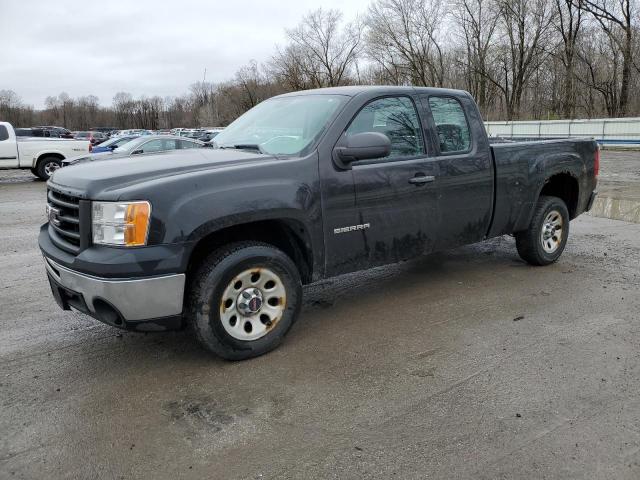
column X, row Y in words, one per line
column 608, row 131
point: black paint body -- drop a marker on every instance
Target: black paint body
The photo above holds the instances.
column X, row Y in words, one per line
column 489, row 191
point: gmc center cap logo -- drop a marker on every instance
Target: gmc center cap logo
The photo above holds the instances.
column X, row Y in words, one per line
column 254, row 304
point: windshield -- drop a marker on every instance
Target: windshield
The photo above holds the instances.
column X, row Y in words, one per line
column 282, row 126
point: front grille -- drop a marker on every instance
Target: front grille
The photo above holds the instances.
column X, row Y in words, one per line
column 65, row 225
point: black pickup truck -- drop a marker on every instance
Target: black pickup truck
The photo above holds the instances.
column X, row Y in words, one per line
column 302, row 187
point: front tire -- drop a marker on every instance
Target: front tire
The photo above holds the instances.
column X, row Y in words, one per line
column 544, row 241
column 46, row 167
column 244, row 299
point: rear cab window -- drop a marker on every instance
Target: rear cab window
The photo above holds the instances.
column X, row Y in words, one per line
column 452, row 127
column 4, row 133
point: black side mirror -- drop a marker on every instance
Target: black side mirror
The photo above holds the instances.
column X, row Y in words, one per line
column 364, row 146
column 137, row 152
column 113, row 147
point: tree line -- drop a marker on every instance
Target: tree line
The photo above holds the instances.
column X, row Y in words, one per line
column 520, row 59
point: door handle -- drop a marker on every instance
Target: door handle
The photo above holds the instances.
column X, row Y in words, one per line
column 422, row 179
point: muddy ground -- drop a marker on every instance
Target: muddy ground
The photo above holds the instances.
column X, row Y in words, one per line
column 463, row 364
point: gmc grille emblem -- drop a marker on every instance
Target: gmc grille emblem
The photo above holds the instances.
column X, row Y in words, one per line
column 53, row 214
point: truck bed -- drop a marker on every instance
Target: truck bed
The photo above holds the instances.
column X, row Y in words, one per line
column 522, row 168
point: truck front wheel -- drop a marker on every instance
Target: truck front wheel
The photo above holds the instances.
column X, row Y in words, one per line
column 243, row 300
column 544, row 241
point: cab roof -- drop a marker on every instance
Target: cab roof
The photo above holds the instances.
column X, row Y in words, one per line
column 353, row 90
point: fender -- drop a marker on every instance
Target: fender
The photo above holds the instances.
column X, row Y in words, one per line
column 548, row 166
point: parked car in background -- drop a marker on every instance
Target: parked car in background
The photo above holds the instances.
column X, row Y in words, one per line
column 54, row 131
column 112, row 144
column 106, row 130
column 42, row 156
column 94, row 137
column 29, row 132
column 46, row 132
column 140, row 146
column 209, row 135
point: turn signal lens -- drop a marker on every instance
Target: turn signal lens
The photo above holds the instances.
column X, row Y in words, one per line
column 137, row 224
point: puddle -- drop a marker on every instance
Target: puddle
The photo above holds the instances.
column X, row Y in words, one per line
column 617, row 209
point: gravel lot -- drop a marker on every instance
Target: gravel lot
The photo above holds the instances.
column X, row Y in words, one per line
column 463, row 364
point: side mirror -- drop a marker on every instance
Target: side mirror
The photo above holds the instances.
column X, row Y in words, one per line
column 113, row 147
column 364, row 146
column 137, row 152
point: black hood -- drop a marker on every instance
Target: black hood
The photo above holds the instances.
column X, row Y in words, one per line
column 91, row 178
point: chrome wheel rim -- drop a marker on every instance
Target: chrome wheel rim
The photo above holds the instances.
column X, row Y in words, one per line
column 51, row 167
column 552, row 229
column 252, row 304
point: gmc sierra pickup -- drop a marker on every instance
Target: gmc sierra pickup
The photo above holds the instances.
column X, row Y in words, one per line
column 304, row 186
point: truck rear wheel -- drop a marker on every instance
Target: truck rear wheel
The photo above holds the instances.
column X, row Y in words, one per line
column 46, row 166
column 244, row 299
column 544, row 241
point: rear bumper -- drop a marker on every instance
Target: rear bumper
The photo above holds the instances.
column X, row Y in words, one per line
column 149, row 303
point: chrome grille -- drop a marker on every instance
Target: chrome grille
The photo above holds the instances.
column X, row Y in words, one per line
column 64, row 220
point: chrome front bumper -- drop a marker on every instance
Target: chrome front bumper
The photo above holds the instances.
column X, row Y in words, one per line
column 135, row 300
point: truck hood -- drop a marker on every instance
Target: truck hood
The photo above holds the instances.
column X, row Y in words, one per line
column 86, row 180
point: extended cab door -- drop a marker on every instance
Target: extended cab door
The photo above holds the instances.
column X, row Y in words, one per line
column 8, row 147
column 394, row 215
column 465, row 172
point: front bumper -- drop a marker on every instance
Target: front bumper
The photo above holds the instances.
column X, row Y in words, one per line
column 149, row 303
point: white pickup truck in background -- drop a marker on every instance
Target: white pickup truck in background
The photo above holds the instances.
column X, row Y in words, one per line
column 42, row 156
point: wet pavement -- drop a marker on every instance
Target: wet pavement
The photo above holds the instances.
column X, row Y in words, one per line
column 463, row 364
column 619, row 186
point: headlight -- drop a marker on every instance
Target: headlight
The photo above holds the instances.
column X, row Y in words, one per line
column 120, row 223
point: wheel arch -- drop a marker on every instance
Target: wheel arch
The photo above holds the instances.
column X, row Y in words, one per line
column 42, row 156
column 565, row 186
column 289, row 235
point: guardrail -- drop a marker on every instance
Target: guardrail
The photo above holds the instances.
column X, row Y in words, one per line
column 606, row 131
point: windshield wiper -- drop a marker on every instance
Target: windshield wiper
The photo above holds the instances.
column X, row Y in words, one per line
column 244, row 146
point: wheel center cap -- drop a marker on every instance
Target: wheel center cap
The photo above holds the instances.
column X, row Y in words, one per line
column 249, row 301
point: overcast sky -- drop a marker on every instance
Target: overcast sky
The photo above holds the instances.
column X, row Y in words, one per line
column 145, row 47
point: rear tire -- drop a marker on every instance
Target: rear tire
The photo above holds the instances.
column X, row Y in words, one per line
column 244, row 299
column 544, row 241
column 46, row 166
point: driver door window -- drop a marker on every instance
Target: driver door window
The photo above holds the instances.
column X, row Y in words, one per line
column 396, row 117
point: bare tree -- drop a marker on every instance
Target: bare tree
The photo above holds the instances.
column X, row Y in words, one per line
column 404, row 40
column 568, row 23
column 477, row 20
column 524, row 28
column 320, row 53
column 616, row 18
